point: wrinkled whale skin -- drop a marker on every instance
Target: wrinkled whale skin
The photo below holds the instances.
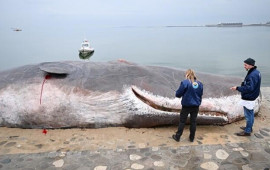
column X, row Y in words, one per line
column 103, row 94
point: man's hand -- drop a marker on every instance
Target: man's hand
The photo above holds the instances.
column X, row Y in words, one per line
column 233, row 88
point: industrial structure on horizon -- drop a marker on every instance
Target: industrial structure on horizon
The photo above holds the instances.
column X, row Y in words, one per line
column 236, row 24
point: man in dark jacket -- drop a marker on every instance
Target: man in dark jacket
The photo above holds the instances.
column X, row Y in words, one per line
column 250, row 90
column 191, row 91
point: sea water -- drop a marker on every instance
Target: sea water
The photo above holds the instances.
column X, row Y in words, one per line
column 216, row 50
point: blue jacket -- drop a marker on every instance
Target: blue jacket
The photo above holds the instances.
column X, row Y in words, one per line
column 250, row 88
column 191, row 93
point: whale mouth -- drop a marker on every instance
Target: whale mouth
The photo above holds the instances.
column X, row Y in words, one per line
column 153, row 104
column 208, row 114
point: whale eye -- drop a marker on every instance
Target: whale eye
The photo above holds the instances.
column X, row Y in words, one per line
column 195, row 85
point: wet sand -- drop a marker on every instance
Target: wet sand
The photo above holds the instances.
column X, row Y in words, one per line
column 15, row 140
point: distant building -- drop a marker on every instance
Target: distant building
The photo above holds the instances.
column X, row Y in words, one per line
column 238, row 24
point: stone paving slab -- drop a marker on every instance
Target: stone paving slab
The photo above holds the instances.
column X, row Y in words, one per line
column 230, row 156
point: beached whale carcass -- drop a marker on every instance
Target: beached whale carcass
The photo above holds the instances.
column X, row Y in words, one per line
column 96, row 94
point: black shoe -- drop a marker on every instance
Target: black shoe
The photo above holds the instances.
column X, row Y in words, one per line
column 243, row 128
column 243, row 134
column 191, row 139
column 175, row 138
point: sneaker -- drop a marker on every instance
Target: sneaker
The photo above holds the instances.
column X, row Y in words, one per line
column 243, row 128
column 243, row 134
column 175, row 138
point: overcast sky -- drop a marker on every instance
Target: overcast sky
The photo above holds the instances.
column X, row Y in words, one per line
column 40, row 13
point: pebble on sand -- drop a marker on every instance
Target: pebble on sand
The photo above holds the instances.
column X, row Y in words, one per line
column 222, row 154
column 134, row 157
column 159, row 163
column 100, row 168
column 137, row 166
column 58, row 163
column 209, row 166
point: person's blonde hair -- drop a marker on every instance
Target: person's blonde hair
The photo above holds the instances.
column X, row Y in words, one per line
column 190, row 74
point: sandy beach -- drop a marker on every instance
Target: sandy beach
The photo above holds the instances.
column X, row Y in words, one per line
column 15, row 140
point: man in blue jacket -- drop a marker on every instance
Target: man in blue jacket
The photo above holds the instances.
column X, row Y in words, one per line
column 250, row 90
column 191, row 91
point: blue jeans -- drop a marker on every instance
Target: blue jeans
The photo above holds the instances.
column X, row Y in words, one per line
column 249, row 115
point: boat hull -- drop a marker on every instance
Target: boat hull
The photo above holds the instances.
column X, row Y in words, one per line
column 85, row 54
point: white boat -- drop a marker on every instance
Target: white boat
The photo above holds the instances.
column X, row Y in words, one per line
column 86, row 51
column 86, row 47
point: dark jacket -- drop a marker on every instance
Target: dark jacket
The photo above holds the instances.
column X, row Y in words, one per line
column 250, row 88
column 191, row 93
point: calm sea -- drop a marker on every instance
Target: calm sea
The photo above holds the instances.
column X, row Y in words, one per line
column 205, row 49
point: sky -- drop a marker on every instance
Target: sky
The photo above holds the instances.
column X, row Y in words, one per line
column 41, row 13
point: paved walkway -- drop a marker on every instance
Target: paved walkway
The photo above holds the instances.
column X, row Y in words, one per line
column 254, row 154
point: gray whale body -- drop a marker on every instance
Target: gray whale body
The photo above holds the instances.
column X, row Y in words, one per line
column 102, row 94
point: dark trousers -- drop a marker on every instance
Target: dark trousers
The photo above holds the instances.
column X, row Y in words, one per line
column 193, row 111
